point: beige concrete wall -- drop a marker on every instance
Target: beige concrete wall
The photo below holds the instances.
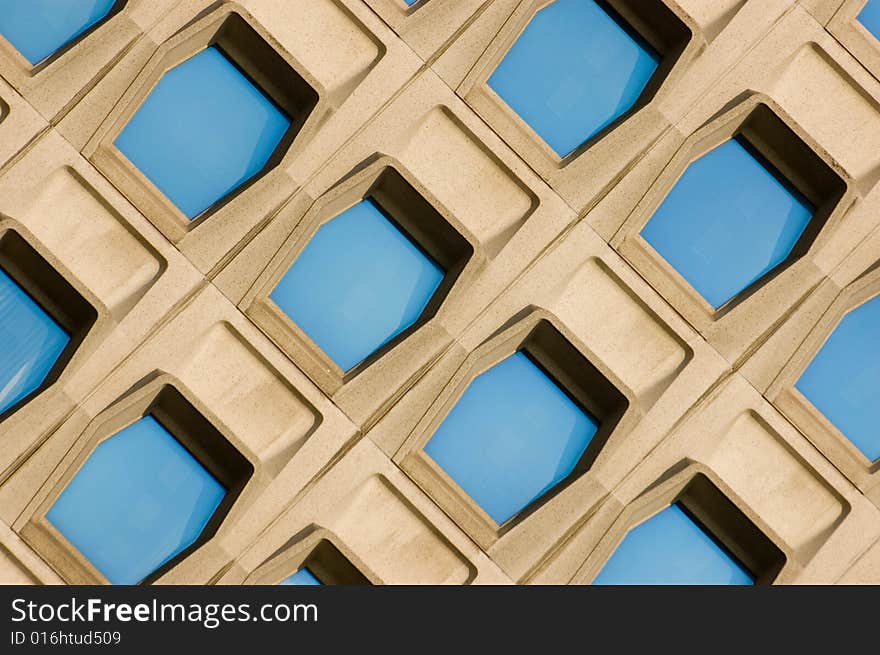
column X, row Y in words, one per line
column 336, row 458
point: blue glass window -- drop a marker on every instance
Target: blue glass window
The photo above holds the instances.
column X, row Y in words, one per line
column 512, row 436
column 30, row 343
column 139, row 500
column 575, row 69
column 203, row 131
column 843, row 381
column 303, row 577
column 670, row 548
column 358, row 284
column 870, row 17
column 729, row 220
column 39, row 28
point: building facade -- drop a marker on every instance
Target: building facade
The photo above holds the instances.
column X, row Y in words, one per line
column 440, row 292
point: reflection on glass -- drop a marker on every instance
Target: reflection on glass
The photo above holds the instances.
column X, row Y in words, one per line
column 203, row 131
column 870, row 17
column 30, row 343
column 512, row 436
column 38, row 28
column 843, row 381
column 670, row 548
column 358, row 284
column 729, row 220
column 574, row 70
column 303, row 577
column 139, row 500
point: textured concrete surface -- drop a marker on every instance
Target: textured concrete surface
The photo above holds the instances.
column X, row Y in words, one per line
column 337, row 457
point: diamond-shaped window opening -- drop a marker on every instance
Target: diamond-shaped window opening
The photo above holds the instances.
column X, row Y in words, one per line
column 41, row 30
column 702, row 538
column 373, row 274
column 151, row 493
column 527, row 426
column 218, row 121
column 580, row 66
column 326, row 565
column 843, row 379
column 302, row 578
column 672, row 548
column 744, row 210
column 43, row 320
column 869, row 17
